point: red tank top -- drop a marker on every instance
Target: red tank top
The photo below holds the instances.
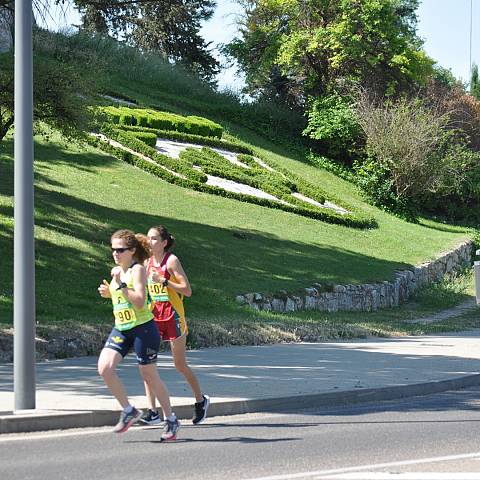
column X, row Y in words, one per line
column 162, row 308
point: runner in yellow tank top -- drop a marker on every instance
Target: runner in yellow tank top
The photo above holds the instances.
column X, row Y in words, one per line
column 168, row 285
column 134, row 328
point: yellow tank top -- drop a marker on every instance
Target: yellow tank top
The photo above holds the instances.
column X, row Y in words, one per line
column 126, row 315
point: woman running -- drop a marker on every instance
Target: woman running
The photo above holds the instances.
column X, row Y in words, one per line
column 167, row 285
column 134, row 327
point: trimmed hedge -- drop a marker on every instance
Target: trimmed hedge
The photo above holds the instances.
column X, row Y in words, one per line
column 326, row 216
column 129, row 140
column 149, row 138
column 146, row 117
column 189, row 138
column 214, row 164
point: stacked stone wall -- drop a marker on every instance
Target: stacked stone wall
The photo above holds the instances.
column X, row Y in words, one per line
column 365, row 297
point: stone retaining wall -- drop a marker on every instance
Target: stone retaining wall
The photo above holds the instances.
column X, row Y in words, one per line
column 365, row 297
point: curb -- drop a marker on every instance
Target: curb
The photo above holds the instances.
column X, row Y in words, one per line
column 54, row 420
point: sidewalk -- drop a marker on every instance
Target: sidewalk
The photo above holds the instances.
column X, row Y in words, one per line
column 70, row 393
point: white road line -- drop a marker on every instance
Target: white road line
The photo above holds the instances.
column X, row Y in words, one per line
column 359, row 468
column 403, row 476
column 17, row 437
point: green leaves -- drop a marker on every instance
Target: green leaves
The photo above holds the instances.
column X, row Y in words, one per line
column 316, row 45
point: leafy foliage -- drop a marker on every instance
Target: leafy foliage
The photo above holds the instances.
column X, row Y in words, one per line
column 190, row 170
column 162, row 121
column 416, row 159
column 475, row 82
column 61, row 89
column 168, row 27
column 291, row 49
column 333, row 123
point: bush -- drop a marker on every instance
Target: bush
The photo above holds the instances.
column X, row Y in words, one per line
column 414, row 155
column 189, row 138
column 333, row 123
column 280, row 184
column 148, row 138
column 144, row 117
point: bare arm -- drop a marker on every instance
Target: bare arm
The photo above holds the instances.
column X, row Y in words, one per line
column 136, row 295
column 182, row 285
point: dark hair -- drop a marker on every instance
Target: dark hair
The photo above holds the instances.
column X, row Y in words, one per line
column 135, row 240
column 165, row 235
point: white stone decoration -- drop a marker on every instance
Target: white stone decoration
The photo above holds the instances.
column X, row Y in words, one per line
column 365, row 297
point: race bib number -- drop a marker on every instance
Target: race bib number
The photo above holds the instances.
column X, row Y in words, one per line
column 158, row 292
column 124, row 313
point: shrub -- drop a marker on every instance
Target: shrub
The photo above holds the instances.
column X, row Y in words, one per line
column 213, row 163
column 190, row 138
column 333, row 123
column 148, row 138
column 414, row 156
column 162, row 120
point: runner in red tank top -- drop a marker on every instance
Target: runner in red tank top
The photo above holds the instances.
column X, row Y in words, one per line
column 168, row 285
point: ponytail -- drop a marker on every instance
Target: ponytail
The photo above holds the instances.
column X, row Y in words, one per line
column 165, row 235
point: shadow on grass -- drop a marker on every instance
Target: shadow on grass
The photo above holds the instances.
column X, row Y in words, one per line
column 47, row 156
column 445, row 227
column 220, row 262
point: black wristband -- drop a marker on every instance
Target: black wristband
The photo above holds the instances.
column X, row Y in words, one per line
column 165, row 283
column 122, row 285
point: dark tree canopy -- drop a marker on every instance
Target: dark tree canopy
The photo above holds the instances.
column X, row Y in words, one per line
column 168, row 27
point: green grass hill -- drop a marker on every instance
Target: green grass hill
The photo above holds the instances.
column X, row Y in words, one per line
column 227, row 246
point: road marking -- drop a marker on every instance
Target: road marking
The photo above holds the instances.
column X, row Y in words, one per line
column 374, row 466
column 16, row 437
column 403, row 476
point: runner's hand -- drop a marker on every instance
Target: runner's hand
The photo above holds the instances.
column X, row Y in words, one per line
column 156, row 278
column 116, row 272
column 103, row 290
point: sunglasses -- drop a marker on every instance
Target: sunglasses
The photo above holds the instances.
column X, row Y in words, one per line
column 120, row 250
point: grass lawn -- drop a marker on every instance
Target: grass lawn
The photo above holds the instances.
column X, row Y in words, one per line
column 83, row 195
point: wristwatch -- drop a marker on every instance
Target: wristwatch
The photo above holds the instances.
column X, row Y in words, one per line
column 122, row 285
column 165, row 282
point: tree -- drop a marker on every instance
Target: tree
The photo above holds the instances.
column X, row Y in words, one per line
column 60, row 87
column 168, row 27
column 293, row 49
column 474, row 82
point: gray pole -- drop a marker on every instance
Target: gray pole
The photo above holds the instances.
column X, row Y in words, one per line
column 24, row 245
column 471, row 31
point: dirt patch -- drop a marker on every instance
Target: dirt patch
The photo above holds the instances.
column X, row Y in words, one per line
column 69, row 341
column 58, row 341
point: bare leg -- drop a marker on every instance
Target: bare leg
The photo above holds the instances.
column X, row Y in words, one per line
column 179, row 358
column 150, row 396
column 150, row 376
column 107, row 368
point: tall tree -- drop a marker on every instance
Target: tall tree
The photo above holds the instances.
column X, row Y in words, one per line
column 168, row 27
column 475, row 82
column 291, row 49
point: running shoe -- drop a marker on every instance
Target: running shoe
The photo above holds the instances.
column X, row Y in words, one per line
column 170, row 430
column 151, row 417
column 200, row 410
column 127, row 420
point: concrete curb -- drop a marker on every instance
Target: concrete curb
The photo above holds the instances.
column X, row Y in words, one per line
column 55, row 420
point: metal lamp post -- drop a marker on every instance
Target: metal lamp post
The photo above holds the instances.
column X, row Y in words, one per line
column 24, row 246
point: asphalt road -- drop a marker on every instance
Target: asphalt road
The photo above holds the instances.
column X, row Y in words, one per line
column 432, row 437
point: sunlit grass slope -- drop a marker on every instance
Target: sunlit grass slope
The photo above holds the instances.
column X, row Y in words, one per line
column 226, row 246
